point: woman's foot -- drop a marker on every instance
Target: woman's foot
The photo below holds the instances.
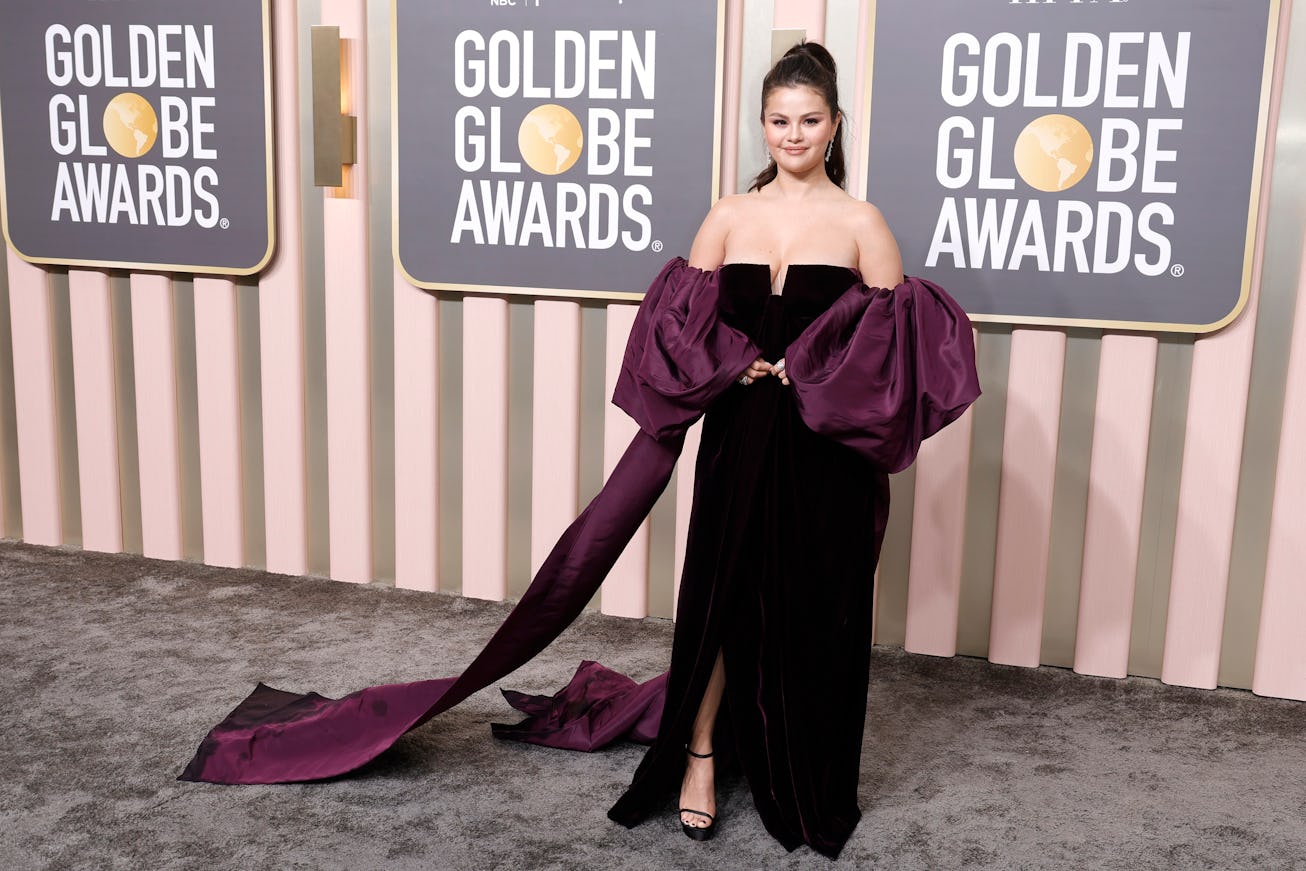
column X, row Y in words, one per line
column 698, row 796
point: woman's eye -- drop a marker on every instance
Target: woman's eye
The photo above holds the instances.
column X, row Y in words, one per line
column 811, row 122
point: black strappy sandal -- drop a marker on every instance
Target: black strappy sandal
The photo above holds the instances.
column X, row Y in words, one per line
column 698, row 833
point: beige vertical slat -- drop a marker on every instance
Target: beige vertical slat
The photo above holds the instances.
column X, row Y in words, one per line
column 311, row 315
column 521, row 342
column 893, row 571
column 249, row 365
column 993, row 355
column 188, row 439
column 65, row 415
column 684, row 504
column 124, row 376
column 1280, row 667
column 383, row 282
column 449, row 437
column 593, row 405
column 1165, row 451
column 662, row 577
column 1070, row 497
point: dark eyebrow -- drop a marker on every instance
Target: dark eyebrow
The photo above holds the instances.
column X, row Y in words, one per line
column 806, row 115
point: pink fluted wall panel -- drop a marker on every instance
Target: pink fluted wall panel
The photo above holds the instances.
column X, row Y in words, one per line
column 1025, row 498
column 1208, row 487
column 485, row 447
column 938, row 532
column 217, row 383
column 417, row 419
column 1117, row 470
column 38, row 441
column 281, row 325
column 555, row 425
column 806, row 15
column 348, row 325
column 155, row 356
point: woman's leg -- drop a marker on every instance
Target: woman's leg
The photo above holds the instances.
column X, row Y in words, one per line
column 698, row 789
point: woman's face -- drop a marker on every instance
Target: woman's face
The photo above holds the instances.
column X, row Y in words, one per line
column 798, row 127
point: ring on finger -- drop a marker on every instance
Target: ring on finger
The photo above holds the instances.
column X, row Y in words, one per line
column 745, row 379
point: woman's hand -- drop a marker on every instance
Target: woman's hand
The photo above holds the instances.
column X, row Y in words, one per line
column 757, row 369
column 779, row 371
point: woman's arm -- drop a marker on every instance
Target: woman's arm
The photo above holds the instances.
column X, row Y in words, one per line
column 877, row 250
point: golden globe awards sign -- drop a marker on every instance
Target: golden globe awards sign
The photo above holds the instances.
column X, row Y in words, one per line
column 1092, row 162
column 562, row 147
column 137, row 133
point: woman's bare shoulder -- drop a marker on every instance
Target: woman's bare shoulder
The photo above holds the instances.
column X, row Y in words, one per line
column 877, row 250
column 708, row 251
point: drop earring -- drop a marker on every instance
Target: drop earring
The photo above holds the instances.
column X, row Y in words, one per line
column 829, row 149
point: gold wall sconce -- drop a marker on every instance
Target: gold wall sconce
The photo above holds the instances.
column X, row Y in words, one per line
column 335, row 133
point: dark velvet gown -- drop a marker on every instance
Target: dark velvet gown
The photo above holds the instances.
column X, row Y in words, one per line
column 779, row 568
column 790, row 504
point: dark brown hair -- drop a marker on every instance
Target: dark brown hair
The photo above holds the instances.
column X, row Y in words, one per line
column 806, row 65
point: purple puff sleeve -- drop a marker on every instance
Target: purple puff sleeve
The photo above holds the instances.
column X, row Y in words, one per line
column 883, row 370
column 680, row 356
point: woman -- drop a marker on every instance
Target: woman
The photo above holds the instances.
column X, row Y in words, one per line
column 817, row 385
column 782, row 638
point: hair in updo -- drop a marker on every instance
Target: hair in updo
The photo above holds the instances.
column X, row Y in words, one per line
column 806, row 65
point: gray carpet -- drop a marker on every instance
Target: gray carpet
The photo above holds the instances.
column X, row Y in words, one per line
column 115, row 666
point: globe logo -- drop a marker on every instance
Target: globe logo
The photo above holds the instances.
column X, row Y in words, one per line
column 130, row 125
column 550, row 139
column 1053, row 153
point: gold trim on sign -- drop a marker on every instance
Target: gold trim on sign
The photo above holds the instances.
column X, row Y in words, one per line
column 179, row 267
column 718, row 104
column 1253, row 207
column 504, row 290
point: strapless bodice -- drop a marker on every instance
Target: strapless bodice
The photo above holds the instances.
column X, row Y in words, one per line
column 773, row 320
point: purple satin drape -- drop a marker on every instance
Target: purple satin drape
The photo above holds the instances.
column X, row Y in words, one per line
column 886, row 369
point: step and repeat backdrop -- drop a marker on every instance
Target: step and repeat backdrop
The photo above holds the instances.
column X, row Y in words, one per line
column 1079, row 163
column 412, row 388
column 565, row 147
column 138, row 134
